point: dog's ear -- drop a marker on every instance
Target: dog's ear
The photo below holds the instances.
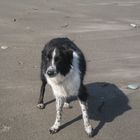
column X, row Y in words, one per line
column 43, row 54
column 68, row 53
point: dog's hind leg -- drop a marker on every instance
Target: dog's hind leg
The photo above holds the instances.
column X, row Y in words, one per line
column 40, row 104
column 59, row 106
column 83, row 104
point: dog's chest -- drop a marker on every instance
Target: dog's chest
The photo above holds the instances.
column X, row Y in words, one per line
column 65, row 86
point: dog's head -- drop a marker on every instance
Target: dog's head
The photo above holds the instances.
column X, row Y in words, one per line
column 57, row 60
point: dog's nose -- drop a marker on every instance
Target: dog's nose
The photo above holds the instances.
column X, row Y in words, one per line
column 51, row 72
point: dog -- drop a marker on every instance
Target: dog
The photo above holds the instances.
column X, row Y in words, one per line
column 63, row 67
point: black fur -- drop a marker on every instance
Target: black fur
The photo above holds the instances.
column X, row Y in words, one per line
column 63, row 65
column 64, row 48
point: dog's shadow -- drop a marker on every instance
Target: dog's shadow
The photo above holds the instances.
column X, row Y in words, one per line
column 106, row 101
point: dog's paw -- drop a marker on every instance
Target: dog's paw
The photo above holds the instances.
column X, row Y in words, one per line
column 53, row 130
column 90, row 132
column 67, row 106
column 41, row 106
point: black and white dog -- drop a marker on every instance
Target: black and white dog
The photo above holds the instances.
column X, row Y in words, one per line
column 63, row 67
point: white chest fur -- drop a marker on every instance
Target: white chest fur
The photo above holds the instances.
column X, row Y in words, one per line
column 64, row 86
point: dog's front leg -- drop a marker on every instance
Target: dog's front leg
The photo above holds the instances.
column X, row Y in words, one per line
column 40, row 104
column 59, row 106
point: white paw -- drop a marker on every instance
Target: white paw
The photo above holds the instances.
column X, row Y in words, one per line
column 53, row 130
column 89, row 131
column 41, row 106
column 67, row 105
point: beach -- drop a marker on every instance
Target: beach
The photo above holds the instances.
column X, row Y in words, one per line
column 108, row 33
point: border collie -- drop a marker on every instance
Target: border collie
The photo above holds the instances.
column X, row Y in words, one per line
column 63, row 67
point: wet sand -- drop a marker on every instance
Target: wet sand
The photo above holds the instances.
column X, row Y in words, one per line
column 103, row 30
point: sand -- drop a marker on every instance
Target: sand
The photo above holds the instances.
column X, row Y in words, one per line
column 104, row 31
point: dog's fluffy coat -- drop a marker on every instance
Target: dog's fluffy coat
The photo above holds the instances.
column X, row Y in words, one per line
column 63, row 67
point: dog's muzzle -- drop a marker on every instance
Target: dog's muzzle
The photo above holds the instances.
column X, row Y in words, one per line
column 51, row 72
